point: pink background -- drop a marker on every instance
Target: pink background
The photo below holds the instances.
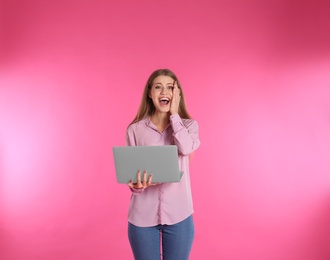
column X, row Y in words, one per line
column 256, row 76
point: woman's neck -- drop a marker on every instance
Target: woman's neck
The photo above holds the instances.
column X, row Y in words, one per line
column 160, row 120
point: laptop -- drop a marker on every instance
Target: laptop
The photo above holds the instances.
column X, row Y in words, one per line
column 161, row 161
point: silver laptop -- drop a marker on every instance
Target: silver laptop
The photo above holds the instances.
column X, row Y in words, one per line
column 161, row 161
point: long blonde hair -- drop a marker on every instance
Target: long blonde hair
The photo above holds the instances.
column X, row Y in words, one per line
column 147, row 107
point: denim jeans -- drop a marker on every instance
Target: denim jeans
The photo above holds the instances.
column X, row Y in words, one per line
column 167, row 242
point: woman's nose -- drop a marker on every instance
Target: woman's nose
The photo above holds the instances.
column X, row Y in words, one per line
column 164, row 91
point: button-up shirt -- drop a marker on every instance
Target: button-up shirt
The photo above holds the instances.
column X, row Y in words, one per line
column 166, row 203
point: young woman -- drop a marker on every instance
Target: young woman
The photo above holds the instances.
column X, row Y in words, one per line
column 160, row 222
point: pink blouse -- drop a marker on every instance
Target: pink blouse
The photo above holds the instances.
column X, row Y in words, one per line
column 167, row 203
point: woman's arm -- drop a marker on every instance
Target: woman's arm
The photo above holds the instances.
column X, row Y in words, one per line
column 185, row 133
column 130, row 141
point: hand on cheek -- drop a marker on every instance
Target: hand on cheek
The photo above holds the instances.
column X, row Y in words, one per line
column 175, row 101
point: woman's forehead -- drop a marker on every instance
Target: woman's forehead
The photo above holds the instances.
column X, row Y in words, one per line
column 164, row 80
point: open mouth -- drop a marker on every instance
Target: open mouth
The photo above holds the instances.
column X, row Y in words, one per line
column 164, row 101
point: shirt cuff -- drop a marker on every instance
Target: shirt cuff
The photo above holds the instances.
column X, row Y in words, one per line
column 136, row 191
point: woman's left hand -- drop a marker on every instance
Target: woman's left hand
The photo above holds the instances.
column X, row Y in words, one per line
column 175, row 101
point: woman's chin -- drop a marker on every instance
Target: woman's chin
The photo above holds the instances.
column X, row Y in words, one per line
column 163, row 109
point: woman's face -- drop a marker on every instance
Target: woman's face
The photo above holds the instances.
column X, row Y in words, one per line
column 161, row 93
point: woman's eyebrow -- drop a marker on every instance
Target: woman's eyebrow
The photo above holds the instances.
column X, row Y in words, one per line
column 159, row 83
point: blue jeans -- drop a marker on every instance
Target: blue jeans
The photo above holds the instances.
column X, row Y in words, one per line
column 167, row 242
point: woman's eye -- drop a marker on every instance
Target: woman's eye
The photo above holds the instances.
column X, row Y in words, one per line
column 157, row 87
column 170, row 87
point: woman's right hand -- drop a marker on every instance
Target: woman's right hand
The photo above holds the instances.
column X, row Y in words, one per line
column 146, row 182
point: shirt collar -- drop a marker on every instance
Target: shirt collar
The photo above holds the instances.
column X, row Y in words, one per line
column 150, row 124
